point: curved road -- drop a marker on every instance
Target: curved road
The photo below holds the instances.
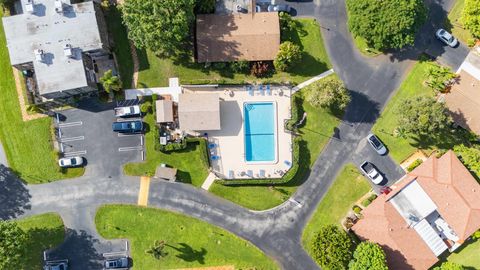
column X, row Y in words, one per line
column 276, row 231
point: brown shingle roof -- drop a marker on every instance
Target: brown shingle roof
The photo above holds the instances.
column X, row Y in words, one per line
column 199, row 111
column 464, row 102
column 225, row 38
column 457, row 197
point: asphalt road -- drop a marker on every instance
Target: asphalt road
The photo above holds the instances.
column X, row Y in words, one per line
column 276, row 231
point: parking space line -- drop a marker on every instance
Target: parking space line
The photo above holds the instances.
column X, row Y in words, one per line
column 126, row 135
column 72, row 124
column 129, row 119
column 143, row 192
column 76, row 153
column 133, row 148
column 71, row 139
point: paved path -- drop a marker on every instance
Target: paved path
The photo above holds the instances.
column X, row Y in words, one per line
column 312, row 80
column 277, row 231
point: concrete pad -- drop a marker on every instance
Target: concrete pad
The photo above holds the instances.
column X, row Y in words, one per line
column 143, row 192
column 209, row 181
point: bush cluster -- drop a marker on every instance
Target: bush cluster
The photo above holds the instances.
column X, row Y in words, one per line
column 369, row 200
column 414, row 165
column 260, row 69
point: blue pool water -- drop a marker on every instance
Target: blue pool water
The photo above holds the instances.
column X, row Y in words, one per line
column 259, row 126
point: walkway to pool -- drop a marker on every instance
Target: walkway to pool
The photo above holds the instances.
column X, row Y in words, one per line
column 228, row 144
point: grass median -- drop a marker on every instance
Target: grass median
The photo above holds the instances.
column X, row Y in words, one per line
column 188, row 242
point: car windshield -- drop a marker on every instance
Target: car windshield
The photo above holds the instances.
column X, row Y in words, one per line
column 62, row 162
column 375, row 142
column 450, row 39
column 74, row 161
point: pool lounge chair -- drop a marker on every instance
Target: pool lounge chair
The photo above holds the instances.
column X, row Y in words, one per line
column 288, row 163
column 250, row 173
column 231, row 174
column 250, row 90
column 260, row 89
column 261, row 174
column 269, row 91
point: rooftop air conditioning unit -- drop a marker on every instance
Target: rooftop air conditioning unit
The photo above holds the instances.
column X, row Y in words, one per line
column 38, row 55
column 30, row 7
column 68, row 50
column 58, row 6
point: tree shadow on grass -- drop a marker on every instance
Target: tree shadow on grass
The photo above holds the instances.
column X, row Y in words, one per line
column 184, row 177
column 188, row 254
column 40, row 239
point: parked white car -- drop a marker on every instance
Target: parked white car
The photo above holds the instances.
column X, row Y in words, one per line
column 377, row 145
column 446, row 37
column 70, row 162
column 371, row 172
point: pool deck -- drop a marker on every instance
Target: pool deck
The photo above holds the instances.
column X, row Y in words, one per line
column 230, row 139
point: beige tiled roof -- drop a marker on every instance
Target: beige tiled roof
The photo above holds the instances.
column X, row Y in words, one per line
column 464, row 102
column 198, row 112
column 457, row 197
column 224, row 38
column 164, row 109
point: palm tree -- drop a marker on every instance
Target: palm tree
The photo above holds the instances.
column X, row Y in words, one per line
column 110, row 82
column 157, row 249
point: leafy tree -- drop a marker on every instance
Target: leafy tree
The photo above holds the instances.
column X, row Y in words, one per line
column 288, row 55
column 439, row 78
column 332, row 248
column 157, row 250
column 286, row 21
column 368, row 255
column 328, row 93
column 470, row 157
column 110, row 82
column 240, row 66
column 12, row 245
column 449, row 266
column 386, row 24
column 471, row 17
column 162, row 26
column 422, row 115
column 204, row 6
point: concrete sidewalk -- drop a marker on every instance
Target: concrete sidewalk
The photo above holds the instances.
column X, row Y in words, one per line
column 312, row 80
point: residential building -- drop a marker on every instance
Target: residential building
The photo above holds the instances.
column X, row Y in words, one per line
column 199, row 112
column 434, row 208
column 56, row 43
column 237, row 36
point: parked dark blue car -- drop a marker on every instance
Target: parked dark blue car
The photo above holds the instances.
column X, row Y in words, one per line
column 128, row 127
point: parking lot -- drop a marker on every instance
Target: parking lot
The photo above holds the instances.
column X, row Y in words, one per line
column 86, row 131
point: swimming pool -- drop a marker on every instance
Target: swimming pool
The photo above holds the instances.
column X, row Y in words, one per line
column 259, row 127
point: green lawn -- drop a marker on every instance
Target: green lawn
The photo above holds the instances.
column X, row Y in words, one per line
column 28, row 145
column 44, row 231
column 362, row 46
column 189, row 162
column 467, row 255
column 454, row 23
column 121, row 46
column 349, row 186
column 314, row 136
column 189, row 242
column 155, row 71
column 400, row 148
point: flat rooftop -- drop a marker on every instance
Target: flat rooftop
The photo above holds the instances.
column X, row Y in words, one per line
column 50, row 31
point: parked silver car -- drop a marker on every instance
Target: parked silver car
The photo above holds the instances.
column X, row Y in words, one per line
column 116, row 263
column 375, row 142
column 70, row 162
column 446, row 37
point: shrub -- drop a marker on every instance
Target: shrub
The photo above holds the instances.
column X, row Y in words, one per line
column 469, row 156
column 369, row 200
column 414, row 165
column 449, row 266
column 296, row 112
column 356, row 209
column 368, row 255
column 440, row 78
column 260, row 69
column 288, row 55
column 332, row 248
column 471, row 17
column 154, row 97
column 476, row 235
column 328, row 93
column 471, row 42
column 372, row 197
column 146, row 107
column 219, row 65
column 240, row 66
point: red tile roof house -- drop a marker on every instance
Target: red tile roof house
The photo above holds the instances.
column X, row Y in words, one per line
column 433, row 208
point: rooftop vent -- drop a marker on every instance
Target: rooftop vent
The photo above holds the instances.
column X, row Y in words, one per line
column 68, row 51
column 30, row 7
column 38, row 55
column 58, row 6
